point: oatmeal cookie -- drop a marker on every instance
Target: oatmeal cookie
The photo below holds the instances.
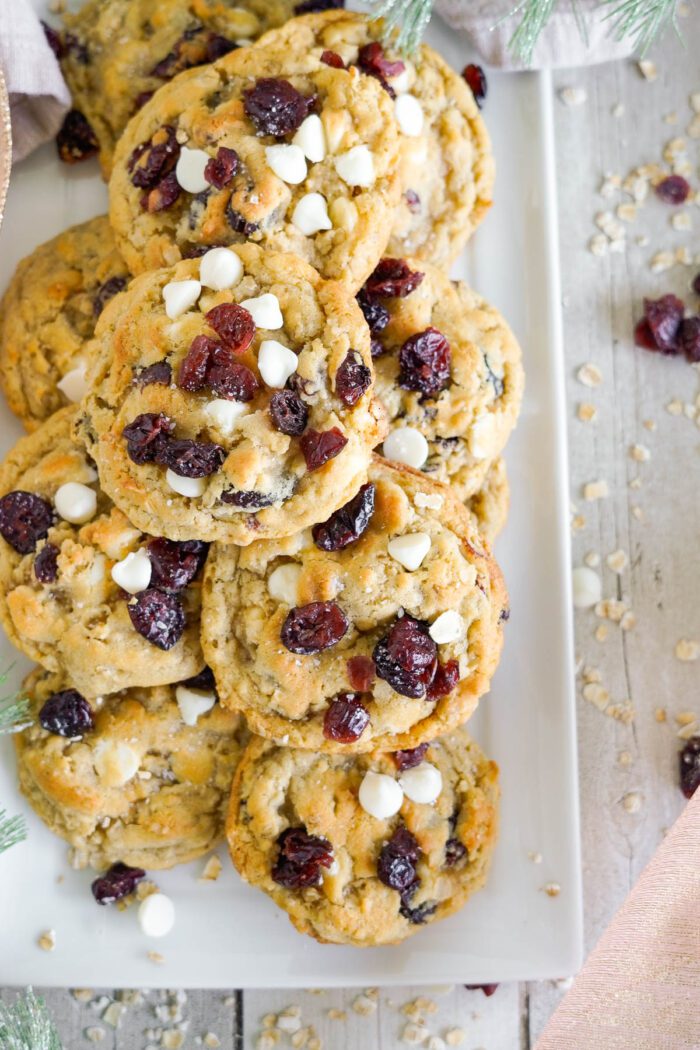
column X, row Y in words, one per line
column 48, row 313
column 449, row 372
column 445, row 160
column 365, row 850
column 379, row 628
column 115, row 54
column 256, row 148
column 235, row 415
column 491, row 503
column 142, row 776
column 81, row 589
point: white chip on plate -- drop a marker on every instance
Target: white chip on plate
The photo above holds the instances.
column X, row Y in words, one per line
column 75, row 502
column 190, row 487
column 422, row 784
column 189, row 170
column 220, row 268
column 276, row 363
column 265, row 311
column 410, row 550
column 287, row 162
column 156, row 915
column 406, row 445
column 311, row 138
column 311, row 214
column 133, row 573
column 380, row 795
column 179, row 296
column 356, row 166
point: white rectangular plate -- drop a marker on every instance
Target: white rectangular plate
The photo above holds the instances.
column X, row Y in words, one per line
column 229, row 935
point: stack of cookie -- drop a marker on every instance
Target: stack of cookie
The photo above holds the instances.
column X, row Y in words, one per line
column 248, row 539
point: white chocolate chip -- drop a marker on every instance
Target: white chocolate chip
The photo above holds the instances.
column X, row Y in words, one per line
column 409, row 115
column 156, row 915
column 179, row 296
column 265, row 311
column 220, row 268
column 406, row 445
column 225, row 414
column 74, row 383
column 133, row 573
column 401, row 82
column 311, row 139
column 283, row 583
column 189, row 170
column 311, row 214
column 276, row 363
column 410, row 550
column 587, row 588
column 356, row 166
column 380, row 795
column 193, row 703
column 287, row 162
column 75, row 502
column 190, row 487
column 115, row 762
column 448, row 627
column 422, row 784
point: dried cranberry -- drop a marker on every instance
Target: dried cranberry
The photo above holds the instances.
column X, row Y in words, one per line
column 372, row 60
column 194, row 48
column 218, row 46
column 664, row 318
column 147, row 435
column 53, row 39
column 376, row 315
column 643, row 335
column 333, row 59
column 455, row 853
column 674, row 189
column 300, row 859
column 192, row 373
column 361, row 673
column 220, row 169
column 312, row 628
column 487, row 989
column 163, row 195
column 476, row 79
column 76, row 140
column 275, row 107
column 158, row 617
column 289, row 413
column 696, row 284
column 445, row 680
column 411, row 758
column 239, row 223
column 106, row 292
column 229, row 378
column 424, row 361
column 308, row 6
column 66, row 714
column 117, row 882
column 393, row 279
column 689, row 763
column 406, row 657
column 420, row 915
column 24, row 520
column 141, row 99
column 348, row 523
column 690, row 338
column 74, row 46
column 46, row 564
column 158, row 374
column 233, row 324
column 204, row 681
column 396, row 867
column 413, row 201
column 377, row 348
column 175, row 564
column 153, row 159
column 346, row 719
column 191, row 459
column 250, row 500
column 319, row 446
column 352, row 379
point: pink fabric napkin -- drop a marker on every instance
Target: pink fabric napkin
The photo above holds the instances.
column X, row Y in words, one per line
column 640, row 987
column 39, row 97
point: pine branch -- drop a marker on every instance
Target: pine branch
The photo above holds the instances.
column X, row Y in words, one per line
column 26, row 1025
column 642, row 20
column 14, row 709
column 12, row 831
column 405, row 21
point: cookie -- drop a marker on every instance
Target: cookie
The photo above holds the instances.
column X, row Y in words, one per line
column 449, row 372
column 48, row 313
column 141, row 776
column 115, row 54
column 365, row 850
column 255, row 148
column 445, row 162
column 233, row 415
column 81, row 589
column 491, row 503
column 379, row 628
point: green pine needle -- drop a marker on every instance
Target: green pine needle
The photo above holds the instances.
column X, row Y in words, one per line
column 405, row 21
column 642, row 20
column 12, row 831
column 26, row 1025
column 14, row 709
column 534, row 17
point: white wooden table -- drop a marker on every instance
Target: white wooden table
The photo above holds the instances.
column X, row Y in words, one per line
column 628, row 768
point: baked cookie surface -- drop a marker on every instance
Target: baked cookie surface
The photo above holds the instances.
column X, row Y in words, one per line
column 237, row 414
column 445, row 159
column 449, row 372
column 490, row 505
column 48, row 313
column 135, row 782
column 255, row 148
column 62, row 539
column 298, row 830
column 378, row 629
column 117, row 53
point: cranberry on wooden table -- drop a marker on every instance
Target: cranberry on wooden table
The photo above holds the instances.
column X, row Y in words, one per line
column 674, row 189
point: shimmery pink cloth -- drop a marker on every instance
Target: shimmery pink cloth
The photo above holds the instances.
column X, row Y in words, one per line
column 640, row 987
